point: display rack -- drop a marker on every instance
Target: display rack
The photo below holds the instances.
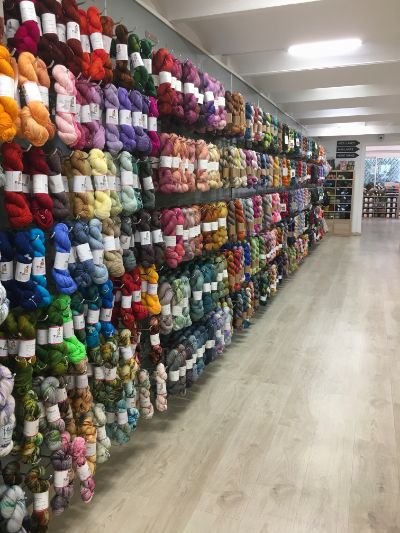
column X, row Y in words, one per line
column 338, row 213
column 381, row 203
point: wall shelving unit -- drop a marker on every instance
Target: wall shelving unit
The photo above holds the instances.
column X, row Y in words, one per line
column 338, row 214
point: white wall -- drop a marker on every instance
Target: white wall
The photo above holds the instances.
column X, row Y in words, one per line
column 358, row 190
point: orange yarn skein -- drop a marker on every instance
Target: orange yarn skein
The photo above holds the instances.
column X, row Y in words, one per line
column 8, row 104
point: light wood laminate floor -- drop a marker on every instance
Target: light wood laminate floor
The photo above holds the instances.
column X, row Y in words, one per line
column 295, row 430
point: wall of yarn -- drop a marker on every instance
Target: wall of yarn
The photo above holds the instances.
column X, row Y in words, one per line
column 148, row 213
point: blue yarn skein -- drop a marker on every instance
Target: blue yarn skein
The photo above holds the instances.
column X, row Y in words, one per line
column 28, row 293
column 80, row 236
column 62, row 244
column 7, row 256
column 95, row 240
column 39, row 251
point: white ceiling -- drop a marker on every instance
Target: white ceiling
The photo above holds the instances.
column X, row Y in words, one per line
column 350, row 94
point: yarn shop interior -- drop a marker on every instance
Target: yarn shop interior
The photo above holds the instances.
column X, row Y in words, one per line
column 199, row 257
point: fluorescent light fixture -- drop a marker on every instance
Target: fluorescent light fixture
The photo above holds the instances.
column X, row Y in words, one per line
column 325, row 48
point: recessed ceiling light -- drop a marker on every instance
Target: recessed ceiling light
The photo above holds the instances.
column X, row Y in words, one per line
column 325, row 48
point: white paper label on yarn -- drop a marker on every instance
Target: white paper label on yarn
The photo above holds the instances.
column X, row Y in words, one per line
column 197, row 295
column 145, row 121
column 185, row 302
column 199, row 353
column 84, row 252
column 209, row 96
column 157, row 236
column 207, row 287
column 137, row 296
column 85, row 114
column 125, row 241
column 62, row 33
column 6, row 271
column 148, row 183
column 55, row 335
column 127, row 178
column 66, row 184
column 95, row 111
column 101, row 433
column 225, row 274
column 27, row 348
column 196, row 91
column 68, row 329
column 214, row 286
column 56, row 184
column 214, row 226
column 122, row 52
column 99, row 373
column 61, row 260
column 85, row 42
column 70, row 381
column 165, row 77
column 126, row 352
column 31, row 427
column 7, row 87
column 84, row 471
column 53, row 413
column 173, row 82
column 112, row 183
column 137, row 118
column 110, row 373
column 112, row 116
column 110, row 416
column 151, row 123
column 228, row 324
column 12, row 26
column 13, row 181
column 206, row 227
column 61, row 394
column 61, row 478
column 40, row 184
column 220, row 276
column 175, row 162
column 106, row 43
column 285, row 172
column 165, row 161
column 189, row 364
column 221, row 101
column 218, row 334
column 3, row 348
column 98, row 256
column 79, row 184
column 147, row 63
column 109, row 243
column 222, row 222
column 39, row 266
column 155, row 339
column 126, row 301
column 41, row 501
column 105, row 314
column 42, row 336
column 23, row 272
column 179, row 229
column 177, row 310
column 166, row 310
column 188, row 88
column 191, row 167
column 6, row 432
column 152, row 289
column 26, row 184
column 178, row 86
column 125, row 117
column 202, row 164
column 12, row 346
column 117, row 243
column 27, row 10
column 200, row 98
column 170, row 240
column 136, row 60
column 82, row 381
column 144, row 285
column 192, row 233
column 173, row 375
column 93, row 316
column 182, row 371
column 185, row 235
column 73, row 31
column 101, row 183
column 96, row 40
column 156, row 80
column 90, row 449
column 122, row 417
column 31, row 92
column 210, row 344
column 49, row 24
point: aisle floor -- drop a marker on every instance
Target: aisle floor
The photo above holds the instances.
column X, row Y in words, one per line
column 295, row 430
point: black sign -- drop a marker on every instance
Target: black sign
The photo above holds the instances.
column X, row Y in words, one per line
column 340, row 144
column 347, row 149
column 345, row 155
